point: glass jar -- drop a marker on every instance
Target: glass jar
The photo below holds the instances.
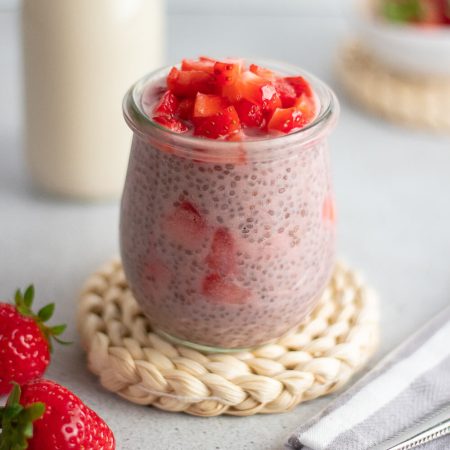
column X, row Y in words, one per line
column 227, row 245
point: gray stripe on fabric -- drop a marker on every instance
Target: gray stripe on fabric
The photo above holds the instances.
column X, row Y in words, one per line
column 426, row 395
column 442, row 443
column 403, row 351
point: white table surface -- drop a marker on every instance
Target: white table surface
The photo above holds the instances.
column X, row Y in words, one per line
column 393, row 191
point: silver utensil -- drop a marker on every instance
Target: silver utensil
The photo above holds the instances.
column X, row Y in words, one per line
column 430, row 434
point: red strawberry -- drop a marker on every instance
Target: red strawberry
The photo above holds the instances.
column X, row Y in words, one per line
column 262, row 72
column 186, row 83
column 25, row 340
column 432, row 13
column 228, row 72
column 186, row 226
column 286, row 119
column 287, row 93
column 208, row 105
column 186, row 108
column 260, row 91
column 250, row 114
column 329, row 210
column 203, row 65
column 218, row 125
column 307, row 106
column 219, row 290
column 444, row 6
column 300, row 85
column 42, row 415
column 171, row 123
column 7, row 313
column 206, row 58
column 232, row 92
column 167, row 106
column 158, row 275
column 221, row 258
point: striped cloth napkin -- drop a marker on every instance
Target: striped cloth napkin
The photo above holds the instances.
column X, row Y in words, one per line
column 404, row 393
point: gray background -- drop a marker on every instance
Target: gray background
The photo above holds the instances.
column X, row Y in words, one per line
column 392, row 186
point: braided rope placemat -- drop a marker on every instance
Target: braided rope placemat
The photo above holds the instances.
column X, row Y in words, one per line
column 316, row 358
column 418, row 101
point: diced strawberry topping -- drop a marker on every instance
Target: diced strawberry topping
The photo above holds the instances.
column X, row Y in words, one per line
column 260, row 91
column 286, row 119
column 206, row 58
column 167, row 106
column 300, row 85
column 286, row 92
column 185, row 226
column 186, row 108
column 218, row 125
column 208, row 105
column 186, row 83
column 232, row 92
column 219, row 290
column 262, row 72
column 250, row 114
column 221, row 257
column 221, row 98
column 227, row 72
column 307, row 106
column 203, row 64
column 171, row 123
column 172, row 78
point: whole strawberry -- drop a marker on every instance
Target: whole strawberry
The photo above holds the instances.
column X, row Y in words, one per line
column 25, row 340
column 43, row 415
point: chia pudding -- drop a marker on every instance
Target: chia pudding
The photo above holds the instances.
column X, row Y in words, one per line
column 227, row 242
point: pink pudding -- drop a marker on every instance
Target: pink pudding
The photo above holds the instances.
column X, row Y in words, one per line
column 227, row 223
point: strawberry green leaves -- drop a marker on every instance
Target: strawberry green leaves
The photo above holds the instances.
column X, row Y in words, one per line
column 24, row 302
column 16, row 421
column 404, row 11
column 418, row 12
column 46, row 312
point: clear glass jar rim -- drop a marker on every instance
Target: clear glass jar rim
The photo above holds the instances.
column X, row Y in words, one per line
column 323, row 123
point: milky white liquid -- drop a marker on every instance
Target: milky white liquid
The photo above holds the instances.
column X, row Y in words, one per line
column 80, row 57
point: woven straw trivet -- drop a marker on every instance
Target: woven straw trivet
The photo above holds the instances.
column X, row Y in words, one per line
column 417, row 101
column 313, row 360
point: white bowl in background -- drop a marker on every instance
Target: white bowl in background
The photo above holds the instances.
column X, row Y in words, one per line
column 403, row 47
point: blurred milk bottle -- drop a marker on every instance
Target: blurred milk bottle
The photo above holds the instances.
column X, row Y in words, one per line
column 80, row 57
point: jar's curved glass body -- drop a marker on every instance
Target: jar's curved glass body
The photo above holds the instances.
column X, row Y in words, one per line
column 227, row 244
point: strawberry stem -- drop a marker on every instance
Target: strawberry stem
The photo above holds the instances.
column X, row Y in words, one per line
column 405, row 11
column 24, row 304
column 16, row 421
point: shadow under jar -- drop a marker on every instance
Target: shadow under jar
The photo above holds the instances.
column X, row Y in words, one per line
column 227, row 245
